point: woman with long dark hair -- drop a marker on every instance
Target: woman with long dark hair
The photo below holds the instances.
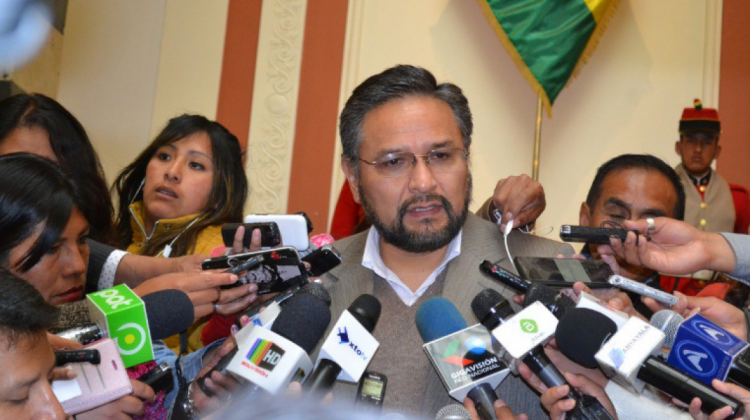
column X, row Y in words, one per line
column 176, row 195
column 37, row 124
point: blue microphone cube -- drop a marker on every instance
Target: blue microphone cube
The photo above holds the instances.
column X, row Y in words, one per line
column 704, row 350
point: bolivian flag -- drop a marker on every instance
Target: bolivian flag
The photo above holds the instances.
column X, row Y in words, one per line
column 550, row 40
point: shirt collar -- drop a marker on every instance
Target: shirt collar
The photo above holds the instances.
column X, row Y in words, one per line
column 372, row 260
column 703, row 180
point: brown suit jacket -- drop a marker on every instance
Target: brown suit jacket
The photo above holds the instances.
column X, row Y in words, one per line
column 481, row 240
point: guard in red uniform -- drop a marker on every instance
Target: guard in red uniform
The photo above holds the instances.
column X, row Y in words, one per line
column 711, row 203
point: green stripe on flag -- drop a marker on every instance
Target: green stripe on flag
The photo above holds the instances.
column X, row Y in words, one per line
column 547, row 39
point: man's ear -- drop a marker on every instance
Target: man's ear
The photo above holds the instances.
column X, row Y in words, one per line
column 351, row 179
column 678, row 147
column 584, row 215
column 718, row 152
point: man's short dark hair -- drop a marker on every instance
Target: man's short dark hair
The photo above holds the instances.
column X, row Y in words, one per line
column 23, row 311
column 398, row 82
column 643, row 162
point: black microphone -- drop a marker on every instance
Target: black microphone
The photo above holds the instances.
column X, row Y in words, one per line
column 557, row 303
column 492, row 310
column 626, row 356
column 169, row 312
column 349, row 346
column 281, row 298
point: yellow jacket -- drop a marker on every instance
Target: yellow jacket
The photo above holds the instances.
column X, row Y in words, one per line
column 208, row 239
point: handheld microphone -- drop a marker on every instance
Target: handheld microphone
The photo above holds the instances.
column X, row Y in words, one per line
column 271, row 359
column 265, row 319
column 627, row 356
column 133, row 322
column 460, row 355
column 557, row 302
column 453, row 412
column 72, row 315
column 706, row 352
column 668, row 322
column 257, row 313
column 349, row 347
column 495, row 313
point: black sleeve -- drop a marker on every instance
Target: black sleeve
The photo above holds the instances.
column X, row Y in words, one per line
column 98, row 254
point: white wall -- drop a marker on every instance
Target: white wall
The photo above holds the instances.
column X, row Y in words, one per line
column 628, row 99
column 127, row 67
column 192, row 49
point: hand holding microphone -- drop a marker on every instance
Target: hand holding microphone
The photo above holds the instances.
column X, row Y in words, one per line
column 555, row 399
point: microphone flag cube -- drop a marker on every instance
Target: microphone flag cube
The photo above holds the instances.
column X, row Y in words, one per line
column 533, row 326
column 704, row 350
column 121, row 313
column 352, row 347
column 621, row 357
column 465, row 359
column 270, row 361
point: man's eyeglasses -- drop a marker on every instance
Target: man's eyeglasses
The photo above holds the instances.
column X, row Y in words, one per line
column 393, row 165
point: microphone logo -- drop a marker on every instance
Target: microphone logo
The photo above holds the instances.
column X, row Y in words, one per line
column 712, row 333
column 265, row 354
column 343, row 336
column 696, row 359
column 529, row 326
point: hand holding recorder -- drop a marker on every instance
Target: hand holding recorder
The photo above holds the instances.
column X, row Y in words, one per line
column 675, row 247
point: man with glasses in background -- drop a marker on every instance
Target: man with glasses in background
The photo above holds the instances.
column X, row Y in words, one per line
column 406, row 145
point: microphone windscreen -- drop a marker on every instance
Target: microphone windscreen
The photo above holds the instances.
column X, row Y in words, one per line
column 317, row 290
column 581, row 333
column 668, row 322
column 540, row 293
column 483, row 302
column 453, row 412
column 169, row 312
column 366, row 310
column 303, row 321
column 438, row 317
column 72, row 315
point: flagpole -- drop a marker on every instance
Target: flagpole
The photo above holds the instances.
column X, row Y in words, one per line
column 537, row 141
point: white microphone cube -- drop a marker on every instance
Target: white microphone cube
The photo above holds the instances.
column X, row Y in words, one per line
column 464, row 360
column 351, row 346
column 533, row 326
column 270, row 361
column 622, row 356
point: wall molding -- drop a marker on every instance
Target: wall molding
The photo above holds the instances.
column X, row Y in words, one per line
column 274, row 106
column 712, row 53
column 349, row 80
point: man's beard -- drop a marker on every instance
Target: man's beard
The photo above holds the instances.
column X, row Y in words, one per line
column 416, row 242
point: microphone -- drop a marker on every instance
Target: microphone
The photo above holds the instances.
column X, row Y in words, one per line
column 271, row 359
column 132, row 322
column 627, row 356
column 349, row 347
column 557, row 302
column 706, row 351
column 461, row 355
column 667, row 321
column 522, row 341
column 453, row 412
column 72, row 315
column 266, row 312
